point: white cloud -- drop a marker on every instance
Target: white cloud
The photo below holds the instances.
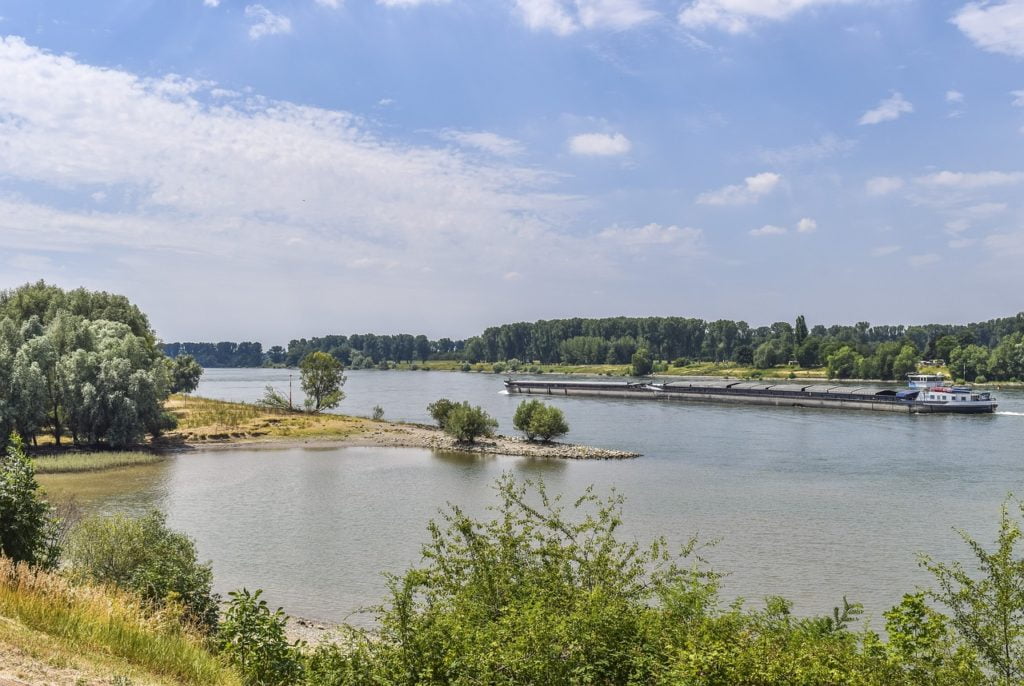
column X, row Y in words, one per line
column 266, row 23
column 547, row 15
column 994, row 26
column 961, row 243
column 1018, row 98
column 923, row 260
column 768, row 230
column 954, row 96
column 677, row 240
column 600, row 144
column 824, row 147
column 986, row 209
column 806, row 225
column 738, row 16
column 512, row 276
column 1006, row 245
column 613, row 14
column 385, row 102
column 333, row 4
column 751, row 190
column 407, row 3
column 486, row 141
column 971, row 180
column 956, row 226
column 238, row 180
column 883, row 185
column 885, row 250
column 211, row 3
column 564, row 17
column 889, row 109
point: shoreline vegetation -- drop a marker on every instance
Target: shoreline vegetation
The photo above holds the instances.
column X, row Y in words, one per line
column 203, row 422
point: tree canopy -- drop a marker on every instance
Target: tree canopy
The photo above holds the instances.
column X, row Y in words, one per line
column 80, row 364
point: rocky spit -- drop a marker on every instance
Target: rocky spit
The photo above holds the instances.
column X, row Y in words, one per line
column 421, row 436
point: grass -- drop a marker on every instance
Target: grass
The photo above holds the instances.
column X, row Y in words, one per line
column 70, row 624
column 91, row 462
column 205, row 420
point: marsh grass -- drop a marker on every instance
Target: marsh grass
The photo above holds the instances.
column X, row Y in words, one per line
column 206, row 420
column 98, row 620
column 91, row 462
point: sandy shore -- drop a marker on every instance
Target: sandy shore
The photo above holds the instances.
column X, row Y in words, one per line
column 396, row 435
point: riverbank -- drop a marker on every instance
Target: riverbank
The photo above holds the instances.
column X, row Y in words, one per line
column 203, row 422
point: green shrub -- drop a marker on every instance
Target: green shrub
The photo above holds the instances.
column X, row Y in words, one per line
column 378, row 413
column 466, row 423
column 28, row 529
column 439, row 410
column 681, row 362
column 252, row 638
column 145, row 557
column 466, row 367
column 640, row 363
column 534, row 418
column 498, row 367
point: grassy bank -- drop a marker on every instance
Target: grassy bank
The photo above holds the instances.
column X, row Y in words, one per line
column 201, row 420
column 67, row 463
column 47, row 623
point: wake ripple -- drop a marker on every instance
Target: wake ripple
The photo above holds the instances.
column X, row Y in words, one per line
column 1011, row 414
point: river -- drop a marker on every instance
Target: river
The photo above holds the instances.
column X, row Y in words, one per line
column 808, row 504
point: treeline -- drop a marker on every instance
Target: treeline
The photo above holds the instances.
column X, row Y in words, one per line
column 988, row 350
column 226, row 353
column 83, row 365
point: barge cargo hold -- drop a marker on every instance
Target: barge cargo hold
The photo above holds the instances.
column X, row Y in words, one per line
column 955, row 399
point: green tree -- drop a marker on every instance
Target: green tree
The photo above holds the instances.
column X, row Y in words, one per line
column 534, row 418
column 988, row 612
column 146, row 557
column 970, row 361
column 439, row 410
column 640, row 363
column 843, row 363
column 800, row 330
column 322, row 378
column 28, row 530
column 771, row 353
column 945, row 346
column 466, row 423
column 905, row 363
column 185, row 374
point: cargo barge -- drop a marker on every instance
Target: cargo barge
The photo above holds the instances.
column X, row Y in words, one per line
column 924, row 394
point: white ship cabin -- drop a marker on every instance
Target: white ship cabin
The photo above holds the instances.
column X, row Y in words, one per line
column 954, row 394
column 923, row 381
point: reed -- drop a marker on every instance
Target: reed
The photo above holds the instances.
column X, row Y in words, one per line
column 91, row 462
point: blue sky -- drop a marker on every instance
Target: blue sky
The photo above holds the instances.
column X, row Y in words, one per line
column 290, row 168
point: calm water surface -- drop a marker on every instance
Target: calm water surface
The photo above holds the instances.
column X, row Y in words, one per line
column 809, row 504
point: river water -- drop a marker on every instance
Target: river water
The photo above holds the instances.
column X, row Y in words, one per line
column 808, row 504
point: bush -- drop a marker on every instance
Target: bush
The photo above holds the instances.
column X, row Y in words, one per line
column 498, row 367
column 378, row 413
column 252, row 638
column 439, row 410
column 28, row 530
column 534, row 418
column 466, row 423
column 681, row 362
column 465, row 367
column 145, row 557
column 641, row 364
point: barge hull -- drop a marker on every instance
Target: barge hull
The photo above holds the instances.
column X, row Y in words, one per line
column 778, row 395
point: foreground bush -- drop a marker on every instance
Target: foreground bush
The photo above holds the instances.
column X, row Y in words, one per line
column 144, row 556
column 545, row 594
column 461, row 420
column 252, row 638
column 106, row 621
column 27, row 528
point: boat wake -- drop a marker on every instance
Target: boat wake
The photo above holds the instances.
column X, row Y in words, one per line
column 1011, row 414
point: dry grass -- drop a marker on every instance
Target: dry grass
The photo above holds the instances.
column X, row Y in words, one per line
column 70, row 626
column 201, row 420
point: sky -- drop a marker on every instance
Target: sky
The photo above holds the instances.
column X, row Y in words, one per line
column 289, row 168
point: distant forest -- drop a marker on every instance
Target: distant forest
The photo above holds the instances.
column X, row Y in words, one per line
column 985, row 350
